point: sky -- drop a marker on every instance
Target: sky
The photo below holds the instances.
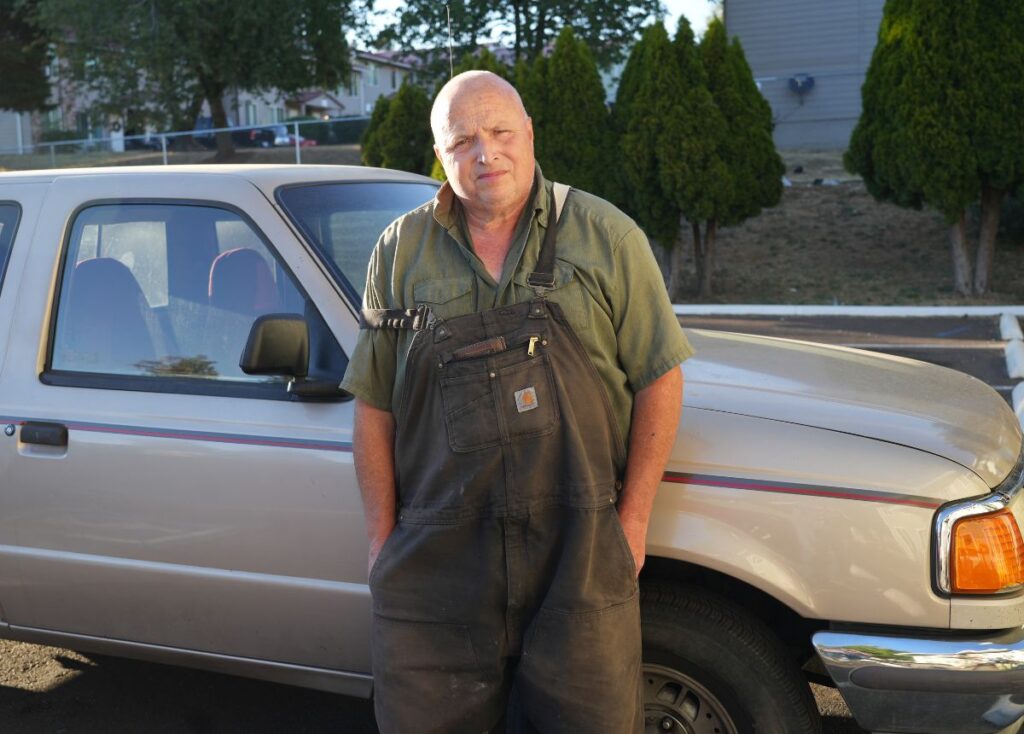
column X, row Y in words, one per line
column 696, row 11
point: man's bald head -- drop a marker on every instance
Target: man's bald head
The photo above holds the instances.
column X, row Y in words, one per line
column 466, row 85
column 484, row 139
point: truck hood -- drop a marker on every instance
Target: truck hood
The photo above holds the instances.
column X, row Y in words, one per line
column 894, row 399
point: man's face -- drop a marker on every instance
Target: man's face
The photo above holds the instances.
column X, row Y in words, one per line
column 485, row 144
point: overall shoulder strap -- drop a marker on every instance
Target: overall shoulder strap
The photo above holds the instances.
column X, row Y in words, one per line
column 544, row 275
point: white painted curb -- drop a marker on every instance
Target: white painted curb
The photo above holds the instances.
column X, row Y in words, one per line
column 755, row 309
column 1015, row 359
column 1018, row 401
column 1009, row 327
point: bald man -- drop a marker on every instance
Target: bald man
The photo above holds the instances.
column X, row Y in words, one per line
column 515, row 333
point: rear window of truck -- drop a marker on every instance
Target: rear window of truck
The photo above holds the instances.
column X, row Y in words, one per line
column 9, row 215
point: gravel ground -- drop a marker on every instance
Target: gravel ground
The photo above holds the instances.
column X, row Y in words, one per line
column 46, row 690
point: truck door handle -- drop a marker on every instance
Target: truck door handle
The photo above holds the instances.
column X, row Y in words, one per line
column 45, row 434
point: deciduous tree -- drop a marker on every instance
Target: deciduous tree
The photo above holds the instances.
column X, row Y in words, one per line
column 942, row 122
column 23, row 58
column 607, row 27
column 166, row 56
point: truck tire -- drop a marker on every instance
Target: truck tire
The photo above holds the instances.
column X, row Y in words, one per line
column 710, row 667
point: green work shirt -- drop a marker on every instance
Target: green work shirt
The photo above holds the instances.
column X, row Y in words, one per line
column 606, row 281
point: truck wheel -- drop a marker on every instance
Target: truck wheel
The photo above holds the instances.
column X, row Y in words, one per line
column 712, row 668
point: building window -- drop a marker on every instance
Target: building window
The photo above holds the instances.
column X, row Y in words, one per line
column 394, row 79
column 279, row 114
column 353, row 84
column 373, row 75
column 53, row 119
column 82, row 123
column 250, row 113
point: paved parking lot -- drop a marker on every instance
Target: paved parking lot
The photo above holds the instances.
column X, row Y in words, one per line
column 969, row 344
column 46, row 689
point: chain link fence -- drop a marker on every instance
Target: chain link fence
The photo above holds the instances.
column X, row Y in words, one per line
column 191, row 146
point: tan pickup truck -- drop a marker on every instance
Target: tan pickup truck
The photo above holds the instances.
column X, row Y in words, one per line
column 176, row 477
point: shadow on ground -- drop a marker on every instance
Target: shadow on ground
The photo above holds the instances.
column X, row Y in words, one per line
column 50, row 690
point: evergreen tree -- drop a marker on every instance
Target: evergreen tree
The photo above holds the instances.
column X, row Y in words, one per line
column 656, row 82
column 531, row 81
column 370, row 141
column 637, row 67
column 751, row 165
column 671, row 141
column 570, row 120
column 942, row 121
column 405, row 140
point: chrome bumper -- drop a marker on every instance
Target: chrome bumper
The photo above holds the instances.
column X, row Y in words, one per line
column 946, row 685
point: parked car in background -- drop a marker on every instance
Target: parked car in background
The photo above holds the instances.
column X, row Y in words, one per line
column 139, row 142
column 303, row 141
column 267, row 136
column 177, row 479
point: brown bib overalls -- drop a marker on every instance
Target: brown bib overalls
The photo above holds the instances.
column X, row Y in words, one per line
column 508, row 568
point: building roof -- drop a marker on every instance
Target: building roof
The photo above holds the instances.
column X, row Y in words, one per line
column 392, row 58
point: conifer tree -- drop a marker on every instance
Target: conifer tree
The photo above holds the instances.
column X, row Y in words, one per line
column 637, row 66
column 654, row 84
column 531, row 81
column 370, row 141
column 671, row 141
column 942, row 121
column 752, row 167
column 570, row 122
column 405, row 139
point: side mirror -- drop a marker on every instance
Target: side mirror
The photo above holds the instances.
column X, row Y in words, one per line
column 278, row 344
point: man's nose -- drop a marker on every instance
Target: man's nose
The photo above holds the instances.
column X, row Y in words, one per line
column 485, row 150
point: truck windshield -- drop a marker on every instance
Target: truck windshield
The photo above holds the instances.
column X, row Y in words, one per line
column 343, row 221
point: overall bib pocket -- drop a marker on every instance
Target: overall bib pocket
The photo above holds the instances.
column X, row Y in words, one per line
column 494, row 402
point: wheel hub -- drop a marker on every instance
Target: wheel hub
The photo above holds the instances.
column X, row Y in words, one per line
column 675, row 703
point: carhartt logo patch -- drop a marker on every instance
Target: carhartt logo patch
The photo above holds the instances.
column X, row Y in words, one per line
column 526, row 399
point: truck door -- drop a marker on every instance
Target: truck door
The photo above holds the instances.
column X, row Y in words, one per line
column 19, row 207
column 162, row 496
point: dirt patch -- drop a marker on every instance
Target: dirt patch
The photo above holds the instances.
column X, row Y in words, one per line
column 831, row 243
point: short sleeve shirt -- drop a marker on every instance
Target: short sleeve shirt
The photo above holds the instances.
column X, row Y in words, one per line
column 607, row 283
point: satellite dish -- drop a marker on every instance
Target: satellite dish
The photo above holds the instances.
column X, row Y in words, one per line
column 801, row 84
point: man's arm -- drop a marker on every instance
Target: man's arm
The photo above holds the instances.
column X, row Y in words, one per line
column 655, row 420
column 374, row 453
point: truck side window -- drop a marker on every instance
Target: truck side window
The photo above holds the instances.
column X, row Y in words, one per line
column 166, row 291
column 9, row 214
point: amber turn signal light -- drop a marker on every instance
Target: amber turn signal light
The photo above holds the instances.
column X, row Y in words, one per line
column 988, row 554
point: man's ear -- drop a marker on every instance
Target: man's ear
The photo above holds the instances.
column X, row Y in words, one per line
column 529, row 127
column 437, row 153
